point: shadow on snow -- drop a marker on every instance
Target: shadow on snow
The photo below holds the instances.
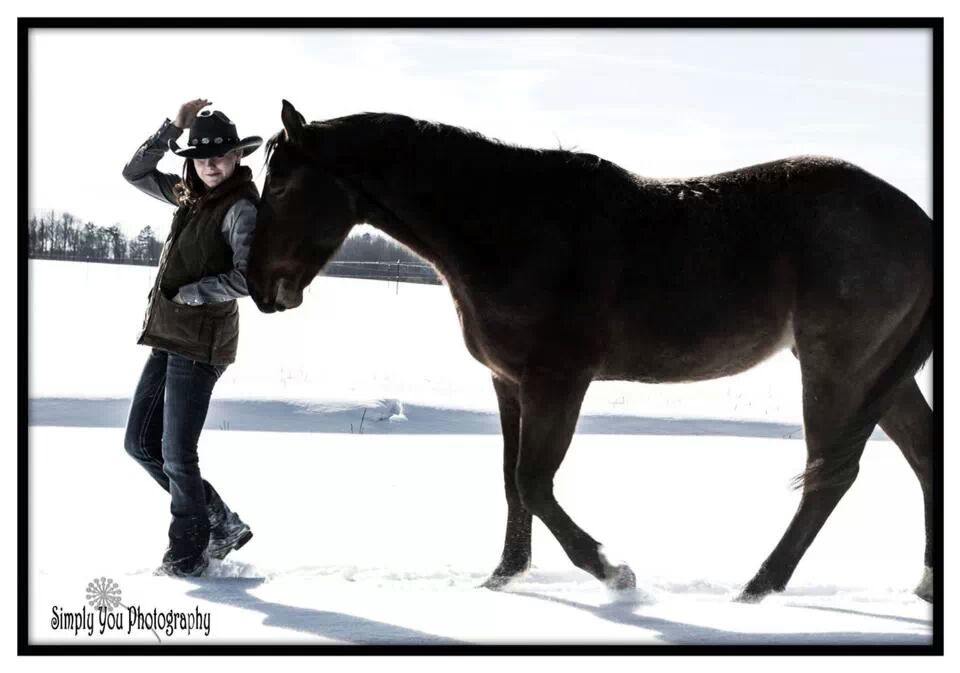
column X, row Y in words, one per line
column 386, row 417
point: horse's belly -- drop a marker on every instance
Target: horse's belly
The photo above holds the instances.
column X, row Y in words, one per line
column 649, row 343
column 724, row 351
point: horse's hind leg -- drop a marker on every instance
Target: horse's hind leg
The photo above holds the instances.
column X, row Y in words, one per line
column 909, row 423
column 550, row 404
column 834, row 445
column 516, row 544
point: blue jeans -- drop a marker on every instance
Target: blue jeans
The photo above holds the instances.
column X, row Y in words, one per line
column 166, row 416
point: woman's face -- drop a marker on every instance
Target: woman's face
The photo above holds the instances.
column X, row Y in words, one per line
column 215, row 170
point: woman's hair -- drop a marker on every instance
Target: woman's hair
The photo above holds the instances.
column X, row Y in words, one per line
column 191, row 187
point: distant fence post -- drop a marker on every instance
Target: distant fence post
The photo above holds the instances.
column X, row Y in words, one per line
column 398, row 278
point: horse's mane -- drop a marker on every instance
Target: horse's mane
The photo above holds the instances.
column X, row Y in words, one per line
column 453, row 137
column 270, row 146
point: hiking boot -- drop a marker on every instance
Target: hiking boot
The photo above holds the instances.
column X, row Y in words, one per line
column 176, row 565
column 231, row 533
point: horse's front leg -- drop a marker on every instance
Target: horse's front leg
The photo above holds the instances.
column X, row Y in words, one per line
column 550, row 399
column 516, row 544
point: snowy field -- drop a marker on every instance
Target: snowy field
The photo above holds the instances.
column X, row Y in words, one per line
column 360, row 441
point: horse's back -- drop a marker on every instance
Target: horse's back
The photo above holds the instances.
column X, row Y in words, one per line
column 715, row 268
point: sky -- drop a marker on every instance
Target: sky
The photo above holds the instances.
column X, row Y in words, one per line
column 661, row 103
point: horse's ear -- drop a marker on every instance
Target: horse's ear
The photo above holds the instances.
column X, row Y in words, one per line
column 293, row 122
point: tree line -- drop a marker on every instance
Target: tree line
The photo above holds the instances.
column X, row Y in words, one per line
column 65, row 236
column 369, row 247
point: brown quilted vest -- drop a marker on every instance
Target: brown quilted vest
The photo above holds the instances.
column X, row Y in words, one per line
column 196, row 248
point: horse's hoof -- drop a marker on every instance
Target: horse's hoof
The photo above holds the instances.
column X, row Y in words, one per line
column 756, row 590
column 501, row 577
column 496, row 582
column 749, row 597
column 759, row 588
column 621, row 579
column 924, row 590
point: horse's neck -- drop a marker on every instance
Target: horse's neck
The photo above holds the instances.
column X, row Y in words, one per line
column 389, row 215
column 394, row 207
column 427, row 190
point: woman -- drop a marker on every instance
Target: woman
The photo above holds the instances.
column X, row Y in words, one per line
column 192, row 323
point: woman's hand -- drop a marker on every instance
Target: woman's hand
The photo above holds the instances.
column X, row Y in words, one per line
column 188, row 112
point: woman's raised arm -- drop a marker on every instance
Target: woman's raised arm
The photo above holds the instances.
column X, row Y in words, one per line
column 141, row 171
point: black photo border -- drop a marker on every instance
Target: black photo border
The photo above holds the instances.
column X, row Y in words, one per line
column 26, row 24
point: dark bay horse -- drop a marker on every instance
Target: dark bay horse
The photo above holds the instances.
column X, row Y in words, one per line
column 565, row 268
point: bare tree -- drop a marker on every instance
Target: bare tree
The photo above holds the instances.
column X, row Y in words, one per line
column 118, row 243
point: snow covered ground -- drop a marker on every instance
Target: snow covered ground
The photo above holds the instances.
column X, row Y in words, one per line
column 360, row 441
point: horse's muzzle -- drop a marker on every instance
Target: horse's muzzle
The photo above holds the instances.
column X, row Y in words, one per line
column 288, row 296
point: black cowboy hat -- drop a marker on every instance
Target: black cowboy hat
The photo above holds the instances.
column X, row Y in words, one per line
column 212, row 134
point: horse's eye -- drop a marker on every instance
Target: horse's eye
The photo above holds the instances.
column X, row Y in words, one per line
column 275, row 180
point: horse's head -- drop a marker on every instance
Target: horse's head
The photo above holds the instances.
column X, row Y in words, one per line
column 305, row 213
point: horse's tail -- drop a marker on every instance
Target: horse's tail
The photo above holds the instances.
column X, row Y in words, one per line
column 878, row 400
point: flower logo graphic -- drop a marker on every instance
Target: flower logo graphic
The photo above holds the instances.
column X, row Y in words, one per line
column 103, row 593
